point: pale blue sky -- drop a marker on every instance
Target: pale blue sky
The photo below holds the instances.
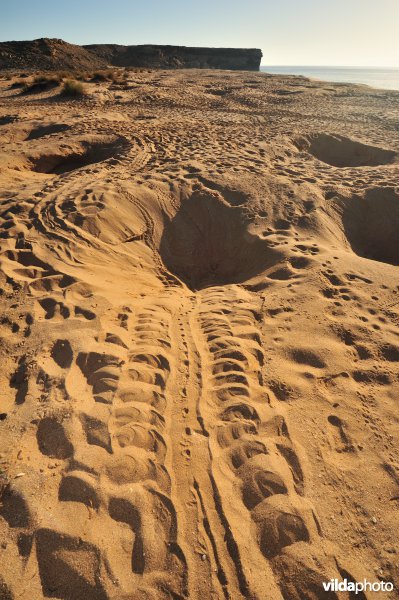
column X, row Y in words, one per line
column 290, row 32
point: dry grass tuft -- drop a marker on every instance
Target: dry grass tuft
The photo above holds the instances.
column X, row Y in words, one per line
column 73, row 88
column 105, row 75
column 41, row 83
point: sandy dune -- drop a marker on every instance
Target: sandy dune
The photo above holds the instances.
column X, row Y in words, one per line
column 199, row 339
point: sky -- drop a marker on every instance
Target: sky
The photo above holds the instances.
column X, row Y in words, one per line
column 289, row 32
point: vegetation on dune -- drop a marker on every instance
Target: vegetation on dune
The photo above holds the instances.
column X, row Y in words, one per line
column 105, row 75
column 42, row 81
column 73, row 88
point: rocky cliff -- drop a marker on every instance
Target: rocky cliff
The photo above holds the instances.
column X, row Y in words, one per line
column 178, row 57
column 55, row 54
column 47, row 54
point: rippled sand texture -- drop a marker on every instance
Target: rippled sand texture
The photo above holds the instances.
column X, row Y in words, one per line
column 199, row 339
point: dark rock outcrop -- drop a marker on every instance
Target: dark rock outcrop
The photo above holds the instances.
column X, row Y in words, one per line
column 54, row 54
column 178, row 57
column 47, row 55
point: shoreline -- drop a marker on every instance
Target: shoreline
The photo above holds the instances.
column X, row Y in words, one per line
column 307, row 72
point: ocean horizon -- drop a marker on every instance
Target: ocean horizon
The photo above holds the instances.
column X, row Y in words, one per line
column 377, row 77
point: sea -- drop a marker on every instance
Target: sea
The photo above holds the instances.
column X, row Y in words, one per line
column 383, row 78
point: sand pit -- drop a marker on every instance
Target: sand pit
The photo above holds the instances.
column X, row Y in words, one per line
column 340, row 151
column 199, row 339
column 201, row 253
column 80, row 154
column 371, row 225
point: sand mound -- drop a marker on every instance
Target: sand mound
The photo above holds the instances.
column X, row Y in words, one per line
column 21, row 132
column 43, row 130
column 103, row 211
column 340, row 151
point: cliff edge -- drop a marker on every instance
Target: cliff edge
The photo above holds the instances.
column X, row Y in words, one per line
column 178, row 57
column 55, row 54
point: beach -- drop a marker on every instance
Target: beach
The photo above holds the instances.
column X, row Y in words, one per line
column 199, row 338
column 376, row 77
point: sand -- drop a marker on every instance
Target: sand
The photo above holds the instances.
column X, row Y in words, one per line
column 199, row 339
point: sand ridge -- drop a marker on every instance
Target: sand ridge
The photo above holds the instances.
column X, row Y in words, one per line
column 199, row 338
